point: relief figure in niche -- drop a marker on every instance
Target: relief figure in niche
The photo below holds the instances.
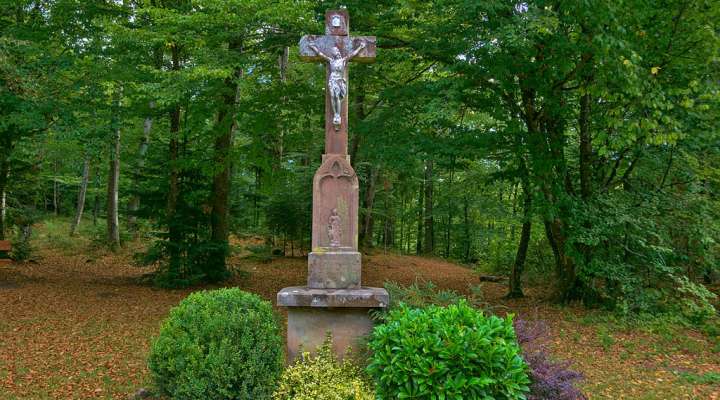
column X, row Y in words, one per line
column 334, row 228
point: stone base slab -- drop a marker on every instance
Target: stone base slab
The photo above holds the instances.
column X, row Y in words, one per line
column 303, row 296
column 334, row 270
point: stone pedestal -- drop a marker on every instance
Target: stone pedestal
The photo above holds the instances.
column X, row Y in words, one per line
column 312, row 313
column 333, row 302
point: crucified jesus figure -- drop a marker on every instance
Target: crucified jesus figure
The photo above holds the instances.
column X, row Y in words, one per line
column 336, row 82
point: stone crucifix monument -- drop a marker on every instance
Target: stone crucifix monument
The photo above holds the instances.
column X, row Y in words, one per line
column 334, row 300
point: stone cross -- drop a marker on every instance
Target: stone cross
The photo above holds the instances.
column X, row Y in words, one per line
column 334, row 299
column 337, row 48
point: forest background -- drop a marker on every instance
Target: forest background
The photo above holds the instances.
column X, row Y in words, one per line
column 575, row 144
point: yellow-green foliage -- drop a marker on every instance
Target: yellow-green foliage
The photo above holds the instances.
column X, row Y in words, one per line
column 322, row 377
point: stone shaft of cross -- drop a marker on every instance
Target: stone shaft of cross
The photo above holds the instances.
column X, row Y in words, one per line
column 337, row 48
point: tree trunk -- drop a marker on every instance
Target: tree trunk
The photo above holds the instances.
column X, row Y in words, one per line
column 585, row 166
column 220, row 197
column 113, row 190
column 256, row 194
column 174, row 233
column 388, row 236
column 96, row 203
column 429, row 247
column 402, row 222
column 448, row 231
column 418, row 242
column 56, row 207
column 567, row 286
column 585, row 148
column 466, row 226
column 448, row 225
column 514, row 197
column 222, row 180
column 81, row 196
column 134, row 205
column 359, row 109
column 4, row 174
column 3, row 212
column 366, row 233
column 546, row 140
column 515, row 283
column 283, row 63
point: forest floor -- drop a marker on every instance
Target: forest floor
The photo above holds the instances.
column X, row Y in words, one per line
column 77, row 323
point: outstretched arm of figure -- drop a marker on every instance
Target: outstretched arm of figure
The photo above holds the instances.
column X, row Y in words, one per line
column 320, row 53
column 357, row 51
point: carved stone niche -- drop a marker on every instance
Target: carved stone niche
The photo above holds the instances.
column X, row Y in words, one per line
column 337, row 22
column 334, row 262
column 335, row 206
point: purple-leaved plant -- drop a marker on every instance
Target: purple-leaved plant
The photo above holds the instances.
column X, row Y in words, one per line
column 551, row 380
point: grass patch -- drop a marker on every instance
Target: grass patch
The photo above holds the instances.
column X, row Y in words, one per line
column 606, row 340
column 54, row 233
column 707, row 378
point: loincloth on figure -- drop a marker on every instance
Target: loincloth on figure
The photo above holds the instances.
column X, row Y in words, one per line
column 338, row 87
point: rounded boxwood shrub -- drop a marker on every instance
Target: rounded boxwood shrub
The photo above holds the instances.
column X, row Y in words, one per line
column 220, row 344
column 452, row 352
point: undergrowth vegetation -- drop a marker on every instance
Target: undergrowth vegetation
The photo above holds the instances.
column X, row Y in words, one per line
column 323, row 377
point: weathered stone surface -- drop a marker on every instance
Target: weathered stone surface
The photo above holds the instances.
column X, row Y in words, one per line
column 316, row 48
column 302, row 296
column 337, row 34
column 307, row 328
column 335, row 189
column 337, row 22
column 334, row 270
column 345, row 44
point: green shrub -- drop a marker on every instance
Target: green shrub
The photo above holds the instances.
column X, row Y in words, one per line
column 452, row 352
column 420, row 294
column 220, row 344
column 694, row 302
column 322, row 377
column 21, row 249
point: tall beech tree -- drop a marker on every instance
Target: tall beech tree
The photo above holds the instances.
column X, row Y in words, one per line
column 204, row 73
column 595, row 85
